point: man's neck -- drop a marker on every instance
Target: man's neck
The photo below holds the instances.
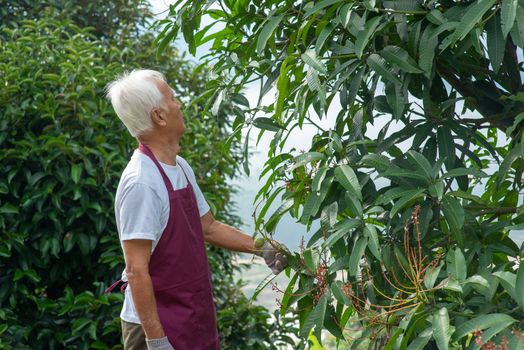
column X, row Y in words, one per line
column 164, row 152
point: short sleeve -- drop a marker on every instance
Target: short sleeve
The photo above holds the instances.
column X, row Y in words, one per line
column 203, row 207
column 140, row 213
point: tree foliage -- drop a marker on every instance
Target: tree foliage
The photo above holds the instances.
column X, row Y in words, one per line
column 413, row 249
column 109, row 20
column 63, row 151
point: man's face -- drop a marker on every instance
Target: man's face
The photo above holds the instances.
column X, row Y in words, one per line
column 173, row 110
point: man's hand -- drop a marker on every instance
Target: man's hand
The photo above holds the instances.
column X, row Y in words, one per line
column 274, row 254
column 159, row 344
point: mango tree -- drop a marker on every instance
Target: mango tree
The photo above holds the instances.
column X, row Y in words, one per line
column 413, row 249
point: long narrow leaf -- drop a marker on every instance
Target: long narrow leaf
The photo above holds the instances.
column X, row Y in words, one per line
column 481, row 323
column 440, row 324
column 267, row 32
column 347, row 178
column 262, row 285
column 508, row 14
column 364, row 35
column 473, row 15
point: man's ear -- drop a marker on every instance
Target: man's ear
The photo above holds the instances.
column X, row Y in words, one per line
column 158, row 117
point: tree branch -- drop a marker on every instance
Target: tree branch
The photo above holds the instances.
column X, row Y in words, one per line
column 497, row 211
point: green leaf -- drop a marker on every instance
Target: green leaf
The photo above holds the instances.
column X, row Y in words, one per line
column 396, row 98
column 356, row 254
column 353, row 87
column 428, row 44
column 316, row 316
column 306, row 158
column 364, row 35
column 453, row 213
column 441, row 331
column 338, row 293
column 277, row 215
column 492, row 331
column 421, row 341
column 79, row 324
column 421, row 163
column 288, row 293
column 431, row 275
column 482, row 322
column 262, row 285
column 319, row 6
column 218, row 101
column 328, row 216
column 309, row 260
column 471, row 18
column 436, row 17
column 76, row 171
column 322, row 37
column 378, row 64
column 347, row 178
column 464, row 171
column 311, row 59
column 496, row 42
column 404, row 173
column 512, row 155
column 517, row 32
column 377, row 161
column 267, row 32
column 341, row 231
column 400, row 57
column 266, row 124
column 477, row 280
column 452, row 284
column 409, row 197
column 508, row 14
column 403, row 5
column 8, row 209
column 319, row 177
column 456, row 264
column 508, row 280
column 519, row 286
column 313, row 82
column 468, row 196
column 446, row 146
column 370, row 232
column 245, row 154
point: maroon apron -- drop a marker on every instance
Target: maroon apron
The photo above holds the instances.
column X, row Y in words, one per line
column 180, row 273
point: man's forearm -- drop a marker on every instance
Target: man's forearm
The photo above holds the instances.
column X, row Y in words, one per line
column 225, row 236
column 145, row 304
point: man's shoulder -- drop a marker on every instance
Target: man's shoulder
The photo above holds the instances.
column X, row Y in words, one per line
column 184, row 163
column 140, row 170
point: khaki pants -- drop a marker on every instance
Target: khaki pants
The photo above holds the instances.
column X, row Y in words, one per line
column 133, row 336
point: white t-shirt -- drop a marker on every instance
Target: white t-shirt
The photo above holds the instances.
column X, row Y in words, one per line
column 142, row 206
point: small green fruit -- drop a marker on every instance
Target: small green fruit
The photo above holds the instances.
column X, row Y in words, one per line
column 259, row 242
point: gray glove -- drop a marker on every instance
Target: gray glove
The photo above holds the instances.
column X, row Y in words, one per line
column 273, row 253
column 158, row 344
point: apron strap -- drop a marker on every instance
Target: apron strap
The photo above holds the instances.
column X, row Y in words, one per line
column 144, row 149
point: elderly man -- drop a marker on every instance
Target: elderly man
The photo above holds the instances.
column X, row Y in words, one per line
column 163, row 220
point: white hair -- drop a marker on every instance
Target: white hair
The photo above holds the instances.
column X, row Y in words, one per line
column 133, row 95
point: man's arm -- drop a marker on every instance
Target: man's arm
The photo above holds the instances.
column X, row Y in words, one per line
column 137, row 253
column 225, row 236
